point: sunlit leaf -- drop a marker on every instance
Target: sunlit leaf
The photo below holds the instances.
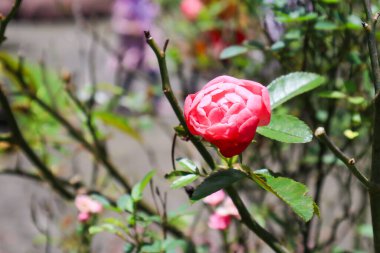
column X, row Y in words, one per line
column 183, row 181
column 286, row 128
column 293, row 193
column 288, row 86
column 118, row 122
column 232, row 51
column 138, row 189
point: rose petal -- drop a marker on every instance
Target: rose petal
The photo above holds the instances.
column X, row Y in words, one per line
column 216, row 131
column 254, row 87
column 254, row 104
column 232, row 97
column 216, row 115
column 266, row 109
column 205, row 101
column 247, row 131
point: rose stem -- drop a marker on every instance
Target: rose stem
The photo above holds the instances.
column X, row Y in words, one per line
column 374, row 194
column 243, row 211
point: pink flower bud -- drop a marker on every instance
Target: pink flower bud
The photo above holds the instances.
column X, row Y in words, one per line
column 227, row 111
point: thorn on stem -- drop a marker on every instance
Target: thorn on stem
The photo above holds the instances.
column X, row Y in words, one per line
column 166, row 45
column 147, row 35
column 366, row 26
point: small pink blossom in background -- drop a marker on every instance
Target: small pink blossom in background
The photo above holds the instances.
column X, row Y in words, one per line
column 230, row 208
column 224, row 212
column 82, row 217
column 215, row 198
column 218, row 221
column 87, row 206
column 191, row 8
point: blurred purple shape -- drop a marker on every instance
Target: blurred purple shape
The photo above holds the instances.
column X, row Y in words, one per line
column 274, row 28
column 133, row 16
column 129, row 19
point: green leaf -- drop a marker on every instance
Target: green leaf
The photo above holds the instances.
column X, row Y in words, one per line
column 118, row 122
column 286, row 128
column 356, row 100
column 138, row 189
column 332, row 94
column 286, row 87
column 183, row 181
column 365, row 230
column 177, row 173
column 103, row 228
column 232, row 51
column 217, row 181
column 125, row 203
column 325, row 26
column 152, row 248
column 291, row 192
column 187, row 164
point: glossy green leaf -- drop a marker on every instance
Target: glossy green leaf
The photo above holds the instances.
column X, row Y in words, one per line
column 138, row 189
column 217, row 181
column 293, row 193
column 286, row 128
column 232, row 51
column 183, row 181
column 288, row 86
column 118, row 122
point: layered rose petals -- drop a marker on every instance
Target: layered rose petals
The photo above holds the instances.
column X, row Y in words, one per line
column 227, row 111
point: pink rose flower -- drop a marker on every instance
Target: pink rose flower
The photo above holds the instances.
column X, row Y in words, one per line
column 215, row 198
column 227, row 111
column 191, row 8
column 218, row 221
column 87, row 206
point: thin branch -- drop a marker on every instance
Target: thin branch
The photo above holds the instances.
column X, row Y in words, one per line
column 166, row 87
column 320, row 133
column 4, row 21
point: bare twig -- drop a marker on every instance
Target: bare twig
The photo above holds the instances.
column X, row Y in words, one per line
column 320, row 133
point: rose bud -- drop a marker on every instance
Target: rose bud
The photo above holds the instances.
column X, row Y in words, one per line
column 226, row 113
